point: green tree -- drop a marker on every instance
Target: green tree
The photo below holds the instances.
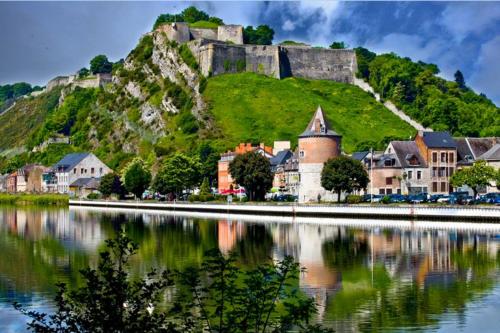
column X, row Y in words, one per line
column 343, row 174
column 338, row 45
column 252, row 171
column 111, row 184
column 459, row 79
column 136, row 177
column 178, row 173
column 205, row 187
column 100, row 64
column 192, row 14
column 262, row 35
column 208, row 158
column 82, row 73
column 363, row 58
column 480, row 174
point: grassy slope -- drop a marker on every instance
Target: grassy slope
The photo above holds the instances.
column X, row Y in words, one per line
column 251, row 107
column 24, row 118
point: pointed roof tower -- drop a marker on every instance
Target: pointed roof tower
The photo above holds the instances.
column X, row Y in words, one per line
column 318, row 126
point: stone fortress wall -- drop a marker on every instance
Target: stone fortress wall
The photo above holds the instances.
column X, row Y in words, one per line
column 221, row 50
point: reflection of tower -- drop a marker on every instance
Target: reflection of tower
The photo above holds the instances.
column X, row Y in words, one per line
column 228, row 234
column 317, row 144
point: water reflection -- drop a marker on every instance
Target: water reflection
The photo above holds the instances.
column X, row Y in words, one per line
column 363, row 278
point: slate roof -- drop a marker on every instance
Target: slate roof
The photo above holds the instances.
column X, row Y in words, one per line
column 359, row 155
column 404, row 151
column 492, row 155
column 438, row 140
column 69, row 161
column 91, row 183
column 464, row 154
column 311, row 129
column 473, row 148
column 281, row 157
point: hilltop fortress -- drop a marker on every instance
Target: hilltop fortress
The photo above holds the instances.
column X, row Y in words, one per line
column 222, row 50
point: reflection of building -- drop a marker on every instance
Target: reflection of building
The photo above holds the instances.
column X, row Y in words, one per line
column 228, row 234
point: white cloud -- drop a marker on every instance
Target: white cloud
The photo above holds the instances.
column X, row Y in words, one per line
column 464, row 19
column 486, row 75
column 288, row 26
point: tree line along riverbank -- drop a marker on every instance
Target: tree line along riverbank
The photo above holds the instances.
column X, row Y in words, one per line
column 34, row 199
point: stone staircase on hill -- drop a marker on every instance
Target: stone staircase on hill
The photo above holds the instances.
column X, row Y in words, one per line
column 389, row 105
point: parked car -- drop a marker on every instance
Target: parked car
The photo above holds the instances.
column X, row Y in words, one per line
column 376, row 198
column 397, row 198
column 458, row 197
column 443, row 199
column 417, row 198
column 491, row 198
column 436, row 197
column 286, row 198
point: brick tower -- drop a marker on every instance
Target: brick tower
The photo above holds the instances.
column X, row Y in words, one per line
column 317, row 144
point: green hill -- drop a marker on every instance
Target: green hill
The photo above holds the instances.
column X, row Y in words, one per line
column 253, row 108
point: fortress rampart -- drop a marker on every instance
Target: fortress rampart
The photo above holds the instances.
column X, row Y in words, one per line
column 221, row 50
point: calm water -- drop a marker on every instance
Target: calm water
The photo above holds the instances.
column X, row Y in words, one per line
column 364, row 275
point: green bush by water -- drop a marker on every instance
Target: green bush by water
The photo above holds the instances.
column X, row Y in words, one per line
column 34, row 199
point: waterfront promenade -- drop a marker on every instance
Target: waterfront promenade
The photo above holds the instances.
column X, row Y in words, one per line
column 409, row 212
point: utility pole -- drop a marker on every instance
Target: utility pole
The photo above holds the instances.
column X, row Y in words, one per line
column 371, row 175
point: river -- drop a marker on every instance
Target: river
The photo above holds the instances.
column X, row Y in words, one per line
column 364, row 275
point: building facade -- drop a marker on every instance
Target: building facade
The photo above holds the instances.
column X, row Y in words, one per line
column 75, row 166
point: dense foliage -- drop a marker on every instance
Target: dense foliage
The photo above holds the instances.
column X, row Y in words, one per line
column 479, row 175
column 262, row 35
column 218, row 297
column 136, row 177
column 34, row 199
column 12, row 91
column 178, row 173
column 111, row 184
column 416, row 89
column 190, row 15
column 252, row 171
column 338, row 45
column 100, row 64
column 343, row 174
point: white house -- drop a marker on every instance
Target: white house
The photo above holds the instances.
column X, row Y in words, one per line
column 76, row 166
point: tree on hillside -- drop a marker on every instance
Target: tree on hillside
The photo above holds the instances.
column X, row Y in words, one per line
column 343, row 174
column 252, row 171
column 178, row 173
column 192, row 14
column 459, row 79
column 480, row 174
column 363, row 58
column 208, row 159
column 100, row 64
column 338, row 45
column 262, row 35
column 111, row 184
column 136, row 177
column 84, row 72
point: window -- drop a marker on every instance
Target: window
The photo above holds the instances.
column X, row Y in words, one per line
column 91, row 171
column 381, row 191
column 410, row 174
column 434, row 172
column 388, row 180
column 81, row 171
column 443, row 187
column 399, row 191
column 419, row 174
column 443, row 157
column 388, row 191
column 434, row 157
column 451, row 158
column 442, row 172
column 302, row 153
column 389, row 150
column 450, row 171
column 100, row 171
column 388, row 162
column 74, row 170
column 434, row 187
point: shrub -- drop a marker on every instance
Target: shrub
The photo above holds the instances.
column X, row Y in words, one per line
column 93, row 196
column 385, row 200
column 188, row 57
column 354, row 199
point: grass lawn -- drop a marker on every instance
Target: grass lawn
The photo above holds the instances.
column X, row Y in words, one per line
column 248, row 107
column 34, row 199
column 204, row 25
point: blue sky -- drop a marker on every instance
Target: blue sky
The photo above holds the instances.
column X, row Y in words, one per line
column 44, row 39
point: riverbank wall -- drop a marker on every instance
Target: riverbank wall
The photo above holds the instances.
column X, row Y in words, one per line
column 406, row 212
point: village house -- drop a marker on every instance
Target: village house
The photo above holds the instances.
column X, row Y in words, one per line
column 3, row 183
column 29, row 178
column 76, row 166
column 225, row 181
column 11, row 182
